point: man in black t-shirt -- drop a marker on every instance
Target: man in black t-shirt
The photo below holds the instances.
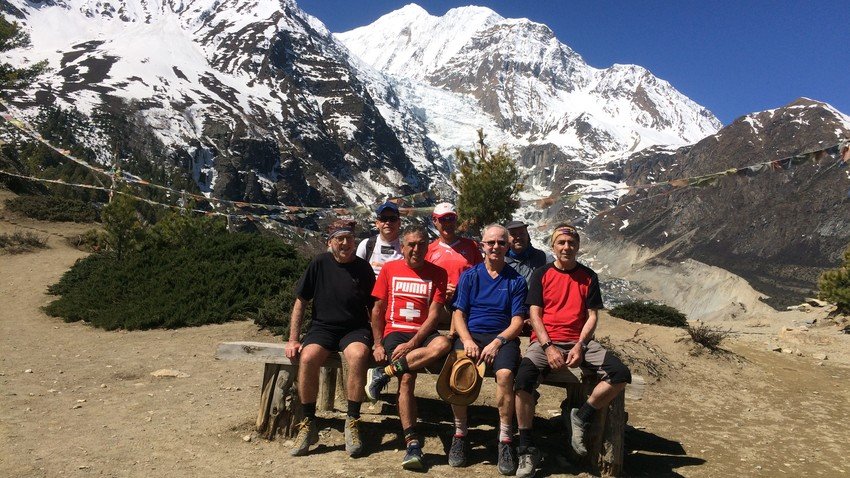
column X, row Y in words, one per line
column 340, row 285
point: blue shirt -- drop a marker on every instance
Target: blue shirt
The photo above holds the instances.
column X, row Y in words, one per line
column 489, row 304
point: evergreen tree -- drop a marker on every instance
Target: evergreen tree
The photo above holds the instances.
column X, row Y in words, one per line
column 488, row 185
column 124, row 231
column 12, row 37
column 834, row 285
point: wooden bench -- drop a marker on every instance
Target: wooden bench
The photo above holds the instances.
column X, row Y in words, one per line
column 280, row 408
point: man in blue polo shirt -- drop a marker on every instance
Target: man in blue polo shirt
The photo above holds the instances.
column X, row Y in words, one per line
column 490, row 308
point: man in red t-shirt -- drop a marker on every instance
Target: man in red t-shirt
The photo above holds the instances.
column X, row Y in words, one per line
column 409, row 293
column 453, row 253
column 563, row 299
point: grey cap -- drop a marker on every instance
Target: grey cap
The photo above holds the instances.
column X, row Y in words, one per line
column 515, row 224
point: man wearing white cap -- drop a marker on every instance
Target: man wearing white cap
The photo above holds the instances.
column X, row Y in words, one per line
column 453, row 253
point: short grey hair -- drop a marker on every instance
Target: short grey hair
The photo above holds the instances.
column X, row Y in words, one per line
column 414, row 229
column 492, row 226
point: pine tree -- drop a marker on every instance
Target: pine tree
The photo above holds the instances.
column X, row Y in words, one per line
column 488, row 185
column 12, row 37
column 834, row 284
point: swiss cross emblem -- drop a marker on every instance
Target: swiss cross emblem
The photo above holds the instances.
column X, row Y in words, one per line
column 409, row 312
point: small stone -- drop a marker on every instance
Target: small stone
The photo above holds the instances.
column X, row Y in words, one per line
column 82, row 400
column 246, row 438
column 820, row 356
column 83, row 467
column 171, row 373
column 776, row 349
column 76, row 406
column 102, row 385
column 788, row 351
column 29, row 370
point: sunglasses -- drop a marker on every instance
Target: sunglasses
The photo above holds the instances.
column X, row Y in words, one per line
column 388, row 218
column 493, row 243
column 447, row 218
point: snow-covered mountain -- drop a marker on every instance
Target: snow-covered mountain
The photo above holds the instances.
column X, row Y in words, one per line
column 258, row 94
column 471, row 68
column 264, row 104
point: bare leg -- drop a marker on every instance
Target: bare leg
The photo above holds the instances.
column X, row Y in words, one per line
column 505, row 395
column 524, row 409
column 311, row 360
column 407, row 401
column 603, row 393
column 357, row 356
column 423, row 356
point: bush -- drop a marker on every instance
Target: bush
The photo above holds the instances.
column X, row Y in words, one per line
column 53, row 208
column 19, row 242
column 213, row 279
column 834, row 285
column 649, row 313
column 708, row 337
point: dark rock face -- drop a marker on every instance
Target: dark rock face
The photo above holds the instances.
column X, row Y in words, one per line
column 778, row 229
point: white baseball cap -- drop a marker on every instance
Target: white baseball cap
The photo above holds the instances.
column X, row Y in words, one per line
column 444, row 209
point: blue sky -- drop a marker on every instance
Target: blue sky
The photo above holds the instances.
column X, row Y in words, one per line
column 733, row 57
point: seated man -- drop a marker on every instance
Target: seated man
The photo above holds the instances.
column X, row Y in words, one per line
column 489, row 312
column 340, row 285
column 409, row 294
column 563, row 300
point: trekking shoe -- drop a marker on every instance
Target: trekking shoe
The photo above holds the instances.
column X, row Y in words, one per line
column 507, row 461
column 458, row 451
column 376, row 380
column 308, row 434
column 529, row 459
column 353, row 443
column 579, row 429
column 413, row 458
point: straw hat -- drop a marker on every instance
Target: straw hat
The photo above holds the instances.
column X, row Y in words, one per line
column 460, row 379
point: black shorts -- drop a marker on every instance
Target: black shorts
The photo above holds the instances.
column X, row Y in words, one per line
column 394, row 339
column 506, row 358
column 336, row 339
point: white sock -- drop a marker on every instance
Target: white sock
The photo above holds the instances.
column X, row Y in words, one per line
column 460, row 427
column 504, row 432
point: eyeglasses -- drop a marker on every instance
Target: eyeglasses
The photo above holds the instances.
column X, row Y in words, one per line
column 447, row 218
column 388, row 219
column 493, row 243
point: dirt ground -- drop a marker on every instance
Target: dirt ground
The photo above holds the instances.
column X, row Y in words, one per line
column 78, row 401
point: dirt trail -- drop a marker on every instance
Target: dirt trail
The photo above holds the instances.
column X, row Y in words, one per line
column 78, row 401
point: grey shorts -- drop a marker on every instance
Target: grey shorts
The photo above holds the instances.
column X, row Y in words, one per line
column 597, row 361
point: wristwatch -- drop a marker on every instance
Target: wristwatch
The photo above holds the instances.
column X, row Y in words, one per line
column 583, row 346
column 546, row 345
column 502, row 340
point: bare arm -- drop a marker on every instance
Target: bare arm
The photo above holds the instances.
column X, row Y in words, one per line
column 293, row 347
column 377, row 319
column 577, row 353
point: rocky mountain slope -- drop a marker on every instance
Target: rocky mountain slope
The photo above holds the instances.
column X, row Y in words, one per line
column 778, row 227
column 263, row 104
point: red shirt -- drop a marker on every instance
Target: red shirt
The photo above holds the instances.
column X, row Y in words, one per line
column 408, row 294
column 455, row 258
column 565, row 297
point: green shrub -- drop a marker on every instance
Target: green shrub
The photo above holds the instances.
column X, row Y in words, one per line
column 834, row 285
column 53, row 208
column 649, row 313
column 213, row 279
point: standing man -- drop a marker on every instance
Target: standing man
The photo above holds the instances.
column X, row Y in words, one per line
column 339, row 284
column 409, row 294
column 384, row 247
column 489, row 310
column 453, row 253
column 563, row 300
column 523, row 256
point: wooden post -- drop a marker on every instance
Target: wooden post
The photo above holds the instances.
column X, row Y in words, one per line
column 267, row 391
column 611, row 455
column 327, row 388
column 279, row 415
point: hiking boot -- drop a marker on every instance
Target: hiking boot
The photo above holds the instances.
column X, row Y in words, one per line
column 308, row 434
column 353, row 443
column 579, row 428
column 529, row 459
column 507, row 461
column 458, row 451
column 376, row 380
column 413, row 458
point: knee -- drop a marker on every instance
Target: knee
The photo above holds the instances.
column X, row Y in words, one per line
column 619, row 374
column 312, row 357
column 356, row 353
column 442, row 345
column 527, row 376
column 505, row 377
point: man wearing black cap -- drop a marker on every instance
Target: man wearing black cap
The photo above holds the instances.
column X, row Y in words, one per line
column 339, row 284
column 384, row 247
column 522, row 256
